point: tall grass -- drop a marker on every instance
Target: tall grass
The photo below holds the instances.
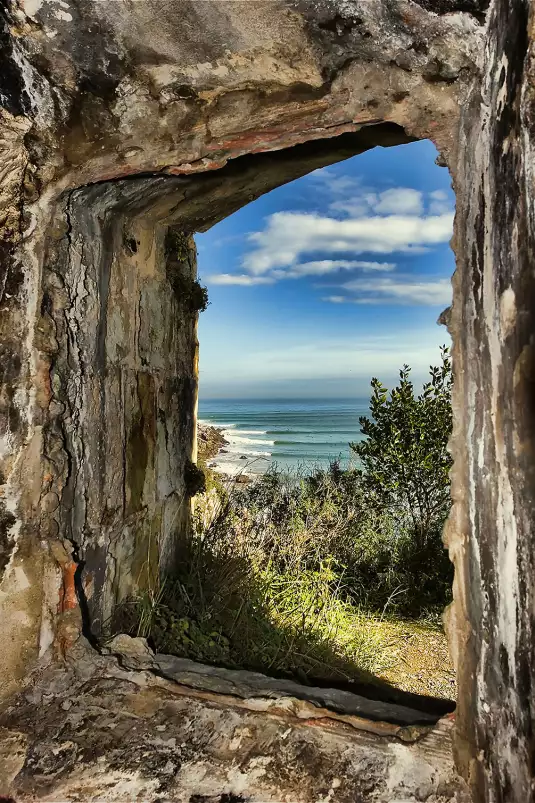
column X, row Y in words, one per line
column 293, row 576
column 224, row 608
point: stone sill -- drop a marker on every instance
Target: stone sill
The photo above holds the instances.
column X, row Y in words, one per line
column 129, row 725
column 257, row 692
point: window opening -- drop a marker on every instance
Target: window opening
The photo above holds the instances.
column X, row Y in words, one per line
column 315, row 556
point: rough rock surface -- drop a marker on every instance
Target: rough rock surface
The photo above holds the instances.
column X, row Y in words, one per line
column 124, row 124
column 126, row 127
column 143, row 733
column 393, row 712
column 210, row 440
column 491, row 525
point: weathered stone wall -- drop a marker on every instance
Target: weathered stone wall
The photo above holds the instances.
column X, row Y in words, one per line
column 122, row 119
column 118, row 331
column 491, row 526
column 99, row 383
column 114, row 401
column 132, row 726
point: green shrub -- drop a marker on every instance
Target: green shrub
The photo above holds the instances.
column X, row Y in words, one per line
column 190, row 293
column 223, row 607
column 298, row 523
column 180, row 265
column 295, row 573
column 194, row 479
column 404, row 457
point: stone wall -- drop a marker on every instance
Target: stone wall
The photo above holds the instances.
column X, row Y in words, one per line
column 122, row 121
column 119, row 335
column 491, row 526
column 132, row 726
column 117, row 126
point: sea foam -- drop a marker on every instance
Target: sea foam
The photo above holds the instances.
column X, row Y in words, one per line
column 236, row 440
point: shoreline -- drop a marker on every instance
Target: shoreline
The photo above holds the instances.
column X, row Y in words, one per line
column 211, row 443
column 293, row 437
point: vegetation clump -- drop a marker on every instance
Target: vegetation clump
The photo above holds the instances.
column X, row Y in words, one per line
column 404, row 457
column 194, row 479
column 191, row 293
column 180, row 269
column 329, row 574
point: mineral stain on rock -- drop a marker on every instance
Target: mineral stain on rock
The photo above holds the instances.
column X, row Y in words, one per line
column 7, row 520
column 141, row 440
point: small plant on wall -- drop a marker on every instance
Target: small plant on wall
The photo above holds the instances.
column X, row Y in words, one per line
column 194, row 479
column 192, row 294
column 180, row 268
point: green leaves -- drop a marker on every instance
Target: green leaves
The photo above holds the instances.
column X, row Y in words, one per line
column 404, row 457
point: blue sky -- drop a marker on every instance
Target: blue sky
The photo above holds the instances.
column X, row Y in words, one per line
column 329, row 280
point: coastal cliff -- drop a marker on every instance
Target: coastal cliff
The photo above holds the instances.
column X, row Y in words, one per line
column 210, row 441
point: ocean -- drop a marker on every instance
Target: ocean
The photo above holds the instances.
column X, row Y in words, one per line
column 291, row 433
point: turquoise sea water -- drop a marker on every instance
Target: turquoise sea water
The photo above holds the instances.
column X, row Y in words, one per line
column 290, row 433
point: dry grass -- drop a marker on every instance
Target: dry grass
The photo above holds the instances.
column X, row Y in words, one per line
column 419, row 658
column 222, row 609
column 261, row 590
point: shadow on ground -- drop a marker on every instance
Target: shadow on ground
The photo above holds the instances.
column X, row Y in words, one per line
column 217, row 610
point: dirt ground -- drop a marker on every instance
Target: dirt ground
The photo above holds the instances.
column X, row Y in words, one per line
column 421, row 661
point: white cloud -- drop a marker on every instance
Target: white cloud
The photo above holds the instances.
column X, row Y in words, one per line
column 351, row 198
column 399, row 291
column 288, row 235
column 354, row 207
column 367, row 266
column 325, row 357
column 323, row 266
column 400, row 201
column 333, row 183
column 439, row 203
column 395, row 201
column 372, row 222
column 241, row 279
column 318, row 268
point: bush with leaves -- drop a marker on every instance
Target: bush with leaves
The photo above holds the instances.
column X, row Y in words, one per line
column 294, row 573
column 380, row 525
column 404, row 457
column 405, row 473
column 329, row 516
